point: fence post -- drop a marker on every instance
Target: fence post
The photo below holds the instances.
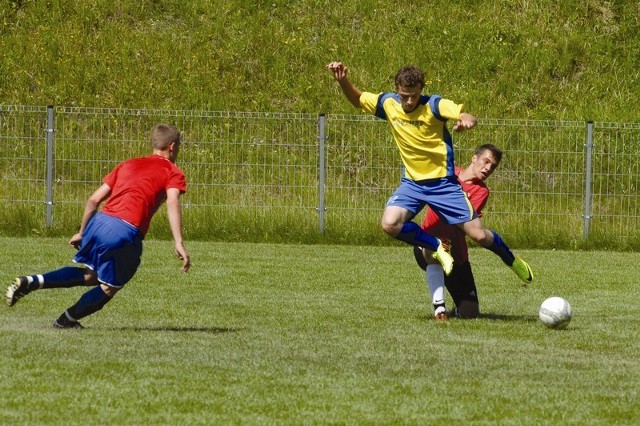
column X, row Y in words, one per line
column 587, row 185
column 49, row 160
column 321, row 170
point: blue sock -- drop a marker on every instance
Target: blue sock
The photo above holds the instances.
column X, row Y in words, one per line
column 500, row 248
column 90, row 302
column 62, row 278
column 411, row 233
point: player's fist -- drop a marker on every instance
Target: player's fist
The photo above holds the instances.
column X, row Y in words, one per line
column 338, row 69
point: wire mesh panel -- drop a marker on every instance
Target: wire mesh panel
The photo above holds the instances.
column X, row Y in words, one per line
column 22, row 166
column 255, row 176
column 539, row 185
column 616, row 180
column 260, row 168
column 89, row 143
column 363, row 169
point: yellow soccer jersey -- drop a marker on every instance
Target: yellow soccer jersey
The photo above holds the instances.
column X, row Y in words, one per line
column 425, row 145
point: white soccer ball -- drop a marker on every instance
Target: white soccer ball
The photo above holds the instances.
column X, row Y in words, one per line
column 555, row 312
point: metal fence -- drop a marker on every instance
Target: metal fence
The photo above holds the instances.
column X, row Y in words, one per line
column 288, row 176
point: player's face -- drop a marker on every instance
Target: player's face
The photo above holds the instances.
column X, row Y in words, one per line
column 409, row 96
column 483, row 165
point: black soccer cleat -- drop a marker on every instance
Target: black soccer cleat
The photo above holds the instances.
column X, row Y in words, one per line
column 64, row 322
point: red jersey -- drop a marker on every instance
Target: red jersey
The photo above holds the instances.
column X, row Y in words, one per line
column 478, row 193
column 139, row 187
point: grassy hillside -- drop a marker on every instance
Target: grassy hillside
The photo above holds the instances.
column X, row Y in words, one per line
column 576, row 59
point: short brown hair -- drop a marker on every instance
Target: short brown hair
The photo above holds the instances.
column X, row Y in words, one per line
column 162, row 135
column 497, row 153
column 410, row 76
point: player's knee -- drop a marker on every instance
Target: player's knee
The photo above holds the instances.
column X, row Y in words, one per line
column 90, row 277
column 108, row 290
column 476, row 235
column 390, row 227
column 393, row 220
column 481, row 236
column 468, row 309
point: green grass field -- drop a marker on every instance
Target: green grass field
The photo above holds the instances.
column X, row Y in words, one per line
column 318, row 334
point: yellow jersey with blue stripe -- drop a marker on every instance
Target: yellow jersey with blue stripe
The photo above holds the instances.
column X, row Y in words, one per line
column 425, row 144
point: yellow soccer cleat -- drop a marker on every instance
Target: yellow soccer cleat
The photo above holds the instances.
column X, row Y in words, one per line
column 445, row 259
column 522, row 270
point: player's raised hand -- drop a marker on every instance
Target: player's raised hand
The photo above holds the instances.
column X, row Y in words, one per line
column 466, row 121
column 338, row 69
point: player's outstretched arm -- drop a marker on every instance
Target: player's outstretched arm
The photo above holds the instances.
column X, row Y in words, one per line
column 351, row 92
column 174, row 211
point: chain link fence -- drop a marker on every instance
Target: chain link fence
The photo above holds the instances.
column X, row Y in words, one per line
column 307, row 177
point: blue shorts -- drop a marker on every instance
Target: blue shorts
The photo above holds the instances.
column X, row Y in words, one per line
column 112, row 248
column 445, row 196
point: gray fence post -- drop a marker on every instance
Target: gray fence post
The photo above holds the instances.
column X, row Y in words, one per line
column 49, row 179
column 321, row 172
column 587, row 184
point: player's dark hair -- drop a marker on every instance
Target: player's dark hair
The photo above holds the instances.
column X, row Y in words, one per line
column 162, row 135
column 410, row 76
column 497, row 153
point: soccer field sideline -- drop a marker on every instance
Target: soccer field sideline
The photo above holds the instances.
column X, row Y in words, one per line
column 289, row 334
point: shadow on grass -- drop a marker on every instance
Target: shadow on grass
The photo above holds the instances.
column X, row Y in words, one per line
column 174, row 329
column 488, row 316
column 504, row 317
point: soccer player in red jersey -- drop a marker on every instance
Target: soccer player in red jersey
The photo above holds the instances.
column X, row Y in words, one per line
column 109, row 241
column 460, row 283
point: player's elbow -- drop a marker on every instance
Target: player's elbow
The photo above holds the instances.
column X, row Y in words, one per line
column 356, row 102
